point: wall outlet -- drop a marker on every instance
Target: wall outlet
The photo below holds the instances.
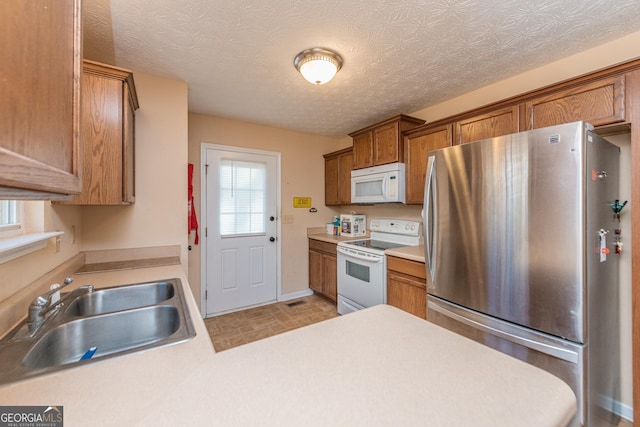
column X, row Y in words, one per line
column 287, row 219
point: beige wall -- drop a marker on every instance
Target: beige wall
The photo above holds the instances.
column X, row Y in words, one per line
column 20, row 272
column 302, row 175
column 159, row 215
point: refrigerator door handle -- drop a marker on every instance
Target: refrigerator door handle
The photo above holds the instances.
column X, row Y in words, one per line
column 429, row 218
column 537, row 345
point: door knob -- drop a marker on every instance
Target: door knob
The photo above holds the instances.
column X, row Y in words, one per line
column 272, row 218
column 272, row 239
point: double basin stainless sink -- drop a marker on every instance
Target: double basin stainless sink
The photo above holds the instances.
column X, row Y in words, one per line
column 116, row 321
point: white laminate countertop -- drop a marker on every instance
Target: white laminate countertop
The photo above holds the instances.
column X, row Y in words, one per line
column 119, row 391
column 414, row 253
column 376, row 367
column 330, row 238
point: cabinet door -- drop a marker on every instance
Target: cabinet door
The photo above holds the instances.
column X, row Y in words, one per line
column 407, row 293
column 416, row 147
column 345, row 165
column 489, row 125
column 363, row 150
column 108, row 103
column 102, row 128
column 406, row 285
column 40, row 65
column 331, row 179
column 128, row 167
column 330, row 276
column 316, row 270
column 599, row 103
column 385, row 144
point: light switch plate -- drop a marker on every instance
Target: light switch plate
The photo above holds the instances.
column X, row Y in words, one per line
column 287, row 219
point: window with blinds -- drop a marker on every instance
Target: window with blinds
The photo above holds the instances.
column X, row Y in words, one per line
column 242, row 198
column 10, row 215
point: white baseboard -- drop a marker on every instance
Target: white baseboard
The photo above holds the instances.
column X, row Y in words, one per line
column 625, row 411
column 619, row 408
column 294, row 295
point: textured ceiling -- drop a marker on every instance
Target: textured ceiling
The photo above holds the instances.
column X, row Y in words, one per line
column 400, row 56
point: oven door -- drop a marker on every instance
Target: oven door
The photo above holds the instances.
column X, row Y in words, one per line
column 361, row 277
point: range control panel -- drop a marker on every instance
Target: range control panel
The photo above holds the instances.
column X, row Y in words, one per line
column 395, row 226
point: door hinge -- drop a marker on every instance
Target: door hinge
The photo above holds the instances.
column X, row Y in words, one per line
column 206, row 232
column 206, row 295
column 206, row 169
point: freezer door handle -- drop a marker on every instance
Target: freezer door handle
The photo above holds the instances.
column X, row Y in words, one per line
column 537, row 345
column 429, row 219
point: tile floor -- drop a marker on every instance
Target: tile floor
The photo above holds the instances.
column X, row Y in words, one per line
column 242, row 327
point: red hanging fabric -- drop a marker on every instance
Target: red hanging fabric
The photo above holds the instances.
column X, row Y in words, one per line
column 193, row 219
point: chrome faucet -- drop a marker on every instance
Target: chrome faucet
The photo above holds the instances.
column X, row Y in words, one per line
column 45, row 305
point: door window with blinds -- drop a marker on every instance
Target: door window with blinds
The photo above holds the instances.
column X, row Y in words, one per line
column 242, row 198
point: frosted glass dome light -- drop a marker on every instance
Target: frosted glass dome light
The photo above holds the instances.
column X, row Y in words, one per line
column 318, row 65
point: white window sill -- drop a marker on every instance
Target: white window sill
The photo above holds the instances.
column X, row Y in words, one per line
column 14, row 247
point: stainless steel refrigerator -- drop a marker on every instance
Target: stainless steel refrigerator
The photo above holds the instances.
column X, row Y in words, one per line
column 520, row 256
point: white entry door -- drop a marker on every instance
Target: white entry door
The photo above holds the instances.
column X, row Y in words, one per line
column 241, row 241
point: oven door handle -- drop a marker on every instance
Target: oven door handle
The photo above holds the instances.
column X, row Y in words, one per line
column 375, row 259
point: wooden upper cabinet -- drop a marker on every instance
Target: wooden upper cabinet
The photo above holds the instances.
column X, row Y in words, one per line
column 385, row 144
column 337, row 177
column 40, row 67
column 128, row 145
column 363, row 150
column 331, row 179
column 345, row 166
column 417, row 142
column 381, row 143
column 598, row 103
column 495, row 123
column 109, row 101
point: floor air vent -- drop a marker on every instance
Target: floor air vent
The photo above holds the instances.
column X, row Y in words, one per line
column 293, row 304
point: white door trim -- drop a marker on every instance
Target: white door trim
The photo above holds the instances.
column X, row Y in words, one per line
column 204, row 146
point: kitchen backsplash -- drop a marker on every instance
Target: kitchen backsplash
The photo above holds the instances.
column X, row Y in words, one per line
column 395, row 211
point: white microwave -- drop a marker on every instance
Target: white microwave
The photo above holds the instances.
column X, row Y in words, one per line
column 378, row 184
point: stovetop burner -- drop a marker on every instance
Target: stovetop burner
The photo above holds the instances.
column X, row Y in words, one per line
column 375, row 244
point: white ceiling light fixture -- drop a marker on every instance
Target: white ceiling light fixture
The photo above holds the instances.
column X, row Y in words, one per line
column 318, row 65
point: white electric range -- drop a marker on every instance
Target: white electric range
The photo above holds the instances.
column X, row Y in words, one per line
column 362, row 265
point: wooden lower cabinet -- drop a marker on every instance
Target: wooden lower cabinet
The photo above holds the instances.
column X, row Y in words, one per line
column 323, row 271
column 407, row 285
